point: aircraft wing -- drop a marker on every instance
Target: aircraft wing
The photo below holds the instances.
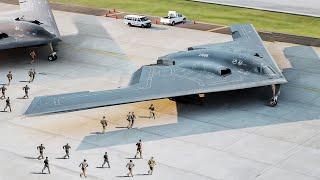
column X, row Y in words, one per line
column 149, row 83
column 180, row 74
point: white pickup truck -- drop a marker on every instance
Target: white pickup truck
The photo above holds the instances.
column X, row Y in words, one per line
column 173, row 18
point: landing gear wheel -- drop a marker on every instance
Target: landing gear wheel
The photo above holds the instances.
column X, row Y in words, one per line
column 51, row 58
column 273, row 102
column 55, row 57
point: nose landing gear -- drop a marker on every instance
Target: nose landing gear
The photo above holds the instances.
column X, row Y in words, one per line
column 275, row 94
column 53, row 56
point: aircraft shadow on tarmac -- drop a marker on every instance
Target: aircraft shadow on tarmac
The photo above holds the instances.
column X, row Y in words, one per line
column 299, row 101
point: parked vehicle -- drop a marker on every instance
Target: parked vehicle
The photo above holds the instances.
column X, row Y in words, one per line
column 173, row 18
column 136, row 20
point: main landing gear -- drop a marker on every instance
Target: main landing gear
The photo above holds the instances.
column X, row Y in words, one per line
column 53, row 56
column 275, row 93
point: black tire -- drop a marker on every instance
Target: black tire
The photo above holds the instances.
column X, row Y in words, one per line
column 55, row 57
column 273, row 103
column 173, row 23
column 50, row 58
column 184, row 19
column 129, row 24
column 142, row 26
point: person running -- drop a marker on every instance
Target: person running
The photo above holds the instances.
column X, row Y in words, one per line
column 30, row 74
column 26, row 91
column 151, row 164
column 41, row 148
column 104, row 124
column 9, row 76
column 67, row 148
column 133, row 117
column 8, row 105
column 129, row 118
column 83, row 166
column 46, row 165
column 33, row 74
column 3, row 91
column 106, row 160
column 152, row 114
column 33, row 56
column 130, row 166
column 139, row 149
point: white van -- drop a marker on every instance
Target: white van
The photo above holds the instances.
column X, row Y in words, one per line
column 136, row 20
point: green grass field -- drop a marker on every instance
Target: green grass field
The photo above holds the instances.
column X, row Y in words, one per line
column 262, row 20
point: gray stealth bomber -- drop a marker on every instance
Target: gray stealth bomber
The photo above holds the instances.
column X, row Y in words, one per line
column 239, row 64
column 33, row 25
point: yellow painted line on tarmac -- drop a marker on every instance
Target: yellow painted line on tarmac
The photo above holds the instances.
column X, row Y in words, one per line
column 215, row 29
column 305, row 88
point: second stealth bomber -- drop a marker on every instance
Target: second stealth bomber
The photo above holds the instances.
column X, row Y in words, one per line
column 242, row 63
column 33, row 25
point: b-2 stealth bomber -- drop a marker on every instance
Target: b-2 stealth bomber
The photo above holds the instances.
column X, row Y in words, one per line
column 242, row 63
column 33, row 25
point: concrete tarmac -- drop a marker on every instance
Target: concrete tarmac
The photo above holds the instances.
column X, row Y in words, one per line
column 234, row 135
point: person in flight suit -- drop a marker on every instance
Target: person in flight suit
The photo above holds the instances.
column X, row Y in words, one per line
column 33, row 56
column 41, row 148
column 152, row 114
column 130, row 166
column 139, row 149
column 104, row 124
column 151, row 164
column 83, row 166
column 26, row 91
column 129, row 118
column 30, row 74
column 46, row 165
column 3, row 91
column 9, row 76
column 106, row 160
column 8, row 105
column 67, row 148
column 33, row 74
column 133, row 117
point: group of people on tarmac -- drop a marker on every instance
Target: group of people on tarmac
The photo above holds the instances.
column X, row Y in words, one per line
column 84, row 165
column 130, row 118
column 41, row 148
column 32, row 73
